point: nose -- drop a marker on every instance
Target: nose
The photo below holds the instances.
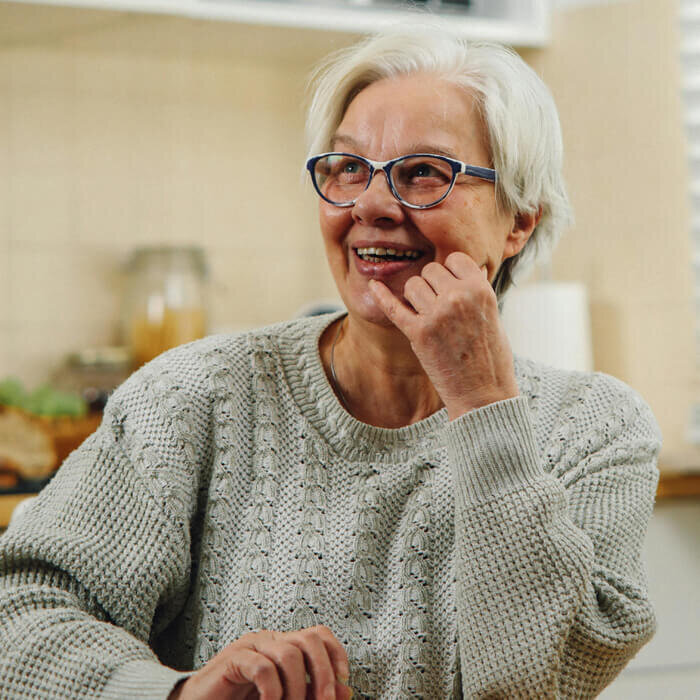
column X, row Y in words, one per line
column 377, row 206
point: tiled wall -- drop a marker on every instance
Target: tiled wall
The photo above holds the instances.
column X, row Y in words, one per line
column 136, row 130
column 122, row 130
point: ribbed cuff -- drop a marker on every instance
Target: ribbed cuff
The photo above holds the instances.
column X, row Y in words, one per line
column 492, row 450
column 143, row 680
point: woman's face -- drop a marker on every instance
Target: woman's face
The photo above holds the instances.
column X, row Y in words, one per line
column 419, row 113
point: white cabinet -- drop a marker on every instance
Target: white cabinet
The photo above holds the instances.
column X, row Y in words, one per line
column 514, row 22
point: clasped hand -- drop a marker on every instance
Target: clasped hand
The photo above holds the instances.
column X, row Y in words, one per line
column 300, row 665
column 455, row 331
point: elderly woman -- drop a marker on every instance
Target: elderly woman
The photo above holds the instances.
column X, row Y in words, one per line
column 383, row 501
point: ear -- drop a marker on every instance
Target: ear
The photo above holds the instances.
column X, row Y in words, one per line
column 524, row 224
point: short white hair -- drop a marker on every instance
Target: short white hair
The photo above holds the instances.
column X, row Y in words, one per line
column 520, row 117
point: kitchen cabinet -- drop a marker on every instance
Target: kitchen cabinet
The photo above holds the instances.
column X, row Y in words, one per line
column 524, row 23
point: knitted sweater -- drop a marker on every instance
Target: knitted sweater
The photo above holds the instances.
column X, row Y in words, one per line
column 227, row 490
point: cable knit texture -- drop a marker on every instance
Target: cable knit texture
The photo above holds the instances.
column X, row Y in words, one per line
column 228, row 491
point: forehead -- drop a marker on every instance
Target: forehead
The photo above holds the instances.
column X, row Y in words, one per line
column 397, row 115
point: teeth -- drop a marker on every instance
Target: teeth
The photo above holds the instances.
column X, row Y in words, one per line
column 393, row 252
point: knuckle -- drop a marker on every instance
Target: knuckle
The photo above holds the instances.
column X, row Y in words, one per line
column 289, row 654
column 391, row 309
column 485, row 296
column 322, row 631
column 455, row 298
column 263, row 671
column 246, row 640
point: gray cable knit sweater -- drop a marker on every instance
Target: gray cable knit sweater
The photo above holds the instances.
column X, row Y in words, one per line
column 227, row 490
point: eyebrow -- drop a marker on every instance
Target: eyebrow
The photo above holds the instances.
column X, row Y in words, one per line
column 414, row 148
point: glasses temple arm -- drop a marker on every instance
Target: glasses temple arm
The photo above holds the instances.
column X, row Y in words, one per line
column 476, row 171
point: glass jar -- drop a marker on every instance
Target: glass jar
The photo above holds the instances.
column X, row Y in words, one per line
column 165, row 303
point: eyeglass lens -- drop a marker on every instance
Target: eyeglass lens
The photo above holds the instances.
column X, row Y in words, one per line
column 418, row 180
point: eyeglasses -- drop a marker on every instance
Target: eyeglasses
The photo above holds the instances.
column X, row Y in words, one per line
column 418, row 180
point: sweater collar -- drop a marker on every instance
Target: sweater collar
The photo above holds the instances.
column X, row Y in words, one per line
column 317, row 401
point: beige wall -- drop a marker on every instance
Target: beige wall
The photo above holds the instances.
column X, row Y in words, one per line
column 122, row 130
column 614, row 72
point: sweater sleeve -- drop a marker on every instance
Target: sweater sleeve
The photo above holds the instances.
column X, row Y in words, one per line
column 101, row 558
column 551, row 593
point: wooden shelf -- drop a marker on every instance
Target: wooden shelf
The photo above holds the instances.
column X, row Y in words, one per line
column 680, row 473
column 678, row 485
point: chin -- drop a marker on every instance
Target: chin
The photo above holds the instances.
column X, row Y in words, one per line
column 360, row 303
column 367, row 311
column 379, row 319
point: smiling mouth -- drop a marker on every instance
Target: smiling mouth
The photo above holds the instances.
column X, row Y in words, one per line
column 387, row 254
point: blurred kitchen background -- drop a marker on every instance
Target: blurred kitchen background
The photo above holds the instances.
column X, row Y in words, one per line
column 123, row 130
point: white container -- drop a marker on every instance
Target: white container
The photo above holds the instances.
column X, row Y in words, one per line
column 550, row 322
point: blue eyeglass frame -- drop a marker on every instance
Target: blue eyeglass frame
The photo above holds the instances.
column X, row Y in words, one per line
column 385, row 166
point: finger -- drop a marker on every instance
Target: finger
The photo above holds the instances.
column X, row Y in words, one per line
column 336, row 652
column 318, row 663
column 461, row 265
column 343, row 691
column 437, row 276
column 419, row 294
column 396, row 311
column 290, row 665
column 249, row 666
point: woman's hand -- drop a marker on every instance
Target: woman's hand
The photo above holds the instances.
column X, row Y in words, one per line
column 272, row 666
column 455, row 331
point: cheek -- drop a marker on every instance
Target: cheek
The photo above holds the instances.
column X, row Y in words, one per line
column 475, row 228
column 335, row 223
column 451, row 231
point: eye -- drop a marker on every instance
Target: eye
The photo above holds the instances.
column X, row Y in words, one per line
column 424, row 170
column 349, row 170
